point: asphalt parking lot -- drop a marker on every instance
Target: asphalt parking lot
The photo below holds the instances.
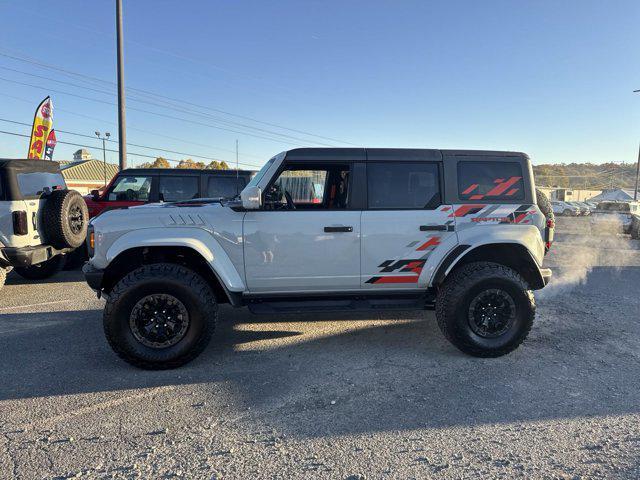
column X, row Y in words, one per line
column 333, row 395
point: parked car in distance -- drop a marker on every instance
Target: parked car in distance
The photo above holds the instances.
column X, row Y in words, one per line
column 564, row 208
column 41, row 221
column 615, row 216
column 582, row 207
column 137, row 186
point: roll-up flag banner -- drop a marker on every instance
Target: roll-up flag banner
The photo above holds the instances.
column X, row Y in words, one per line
column 42, row 123
column 51, row 144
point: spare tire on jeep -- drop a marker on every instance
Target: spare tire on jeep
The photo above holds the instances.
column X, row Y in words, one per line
column 544, row 205
column 65, row 218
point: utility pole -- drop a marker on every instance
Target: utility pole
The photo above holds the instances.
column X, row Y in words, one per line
column 237, row 172
column 104, row 153
column 635, row 190
column 122, row 136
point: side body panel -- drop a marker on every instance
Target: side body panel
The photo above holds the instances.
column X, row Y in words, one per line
column 397, row 253
column 213, row 231
column 291, row 251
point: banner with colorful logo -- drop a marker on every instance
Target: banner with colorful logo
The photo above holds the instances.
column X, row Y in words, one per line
column 42, row 123
column 51, row 144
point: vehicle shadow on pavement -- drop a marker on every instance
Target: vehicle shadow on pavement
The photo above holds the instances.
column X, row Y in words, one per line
column 311, row 375
column 67, row 276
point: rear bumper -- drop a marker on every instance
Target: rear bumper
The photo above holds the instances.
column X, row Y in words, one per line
column 93, row 276
column 546, row 275
column 27, row 256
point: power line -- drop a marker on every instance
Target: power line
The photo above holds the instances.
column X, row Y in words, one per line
column 94, row 79
column 165, row 105
column 61, row 92
column 132, row 144
column 164, row 136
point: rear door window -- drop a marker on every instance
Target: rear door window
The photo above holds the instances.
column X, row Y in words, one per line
column 399, row 185
column 224, row 187
column 34, row 183
column 178, row 188
column 479, row 181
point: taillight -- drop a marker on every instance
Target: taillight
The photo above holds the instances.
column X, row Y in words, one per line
column 20, row 226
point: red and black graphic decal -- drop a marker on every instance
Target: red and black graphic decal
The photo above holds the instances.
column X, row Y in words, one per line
column 519, row 215
column 413, row 266
column 502, row 189
column 466, row 210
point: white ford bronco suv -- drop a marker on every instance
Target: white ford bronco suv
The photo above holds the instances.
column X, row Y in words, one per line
column 331, row 229
column 40, row 219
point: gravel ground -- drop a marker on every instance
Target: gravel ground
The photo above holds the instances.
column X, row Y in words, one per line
column 333, row 396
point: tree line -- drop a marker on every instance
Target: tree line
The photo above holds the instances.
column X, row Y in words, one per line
column 161, row 162
column 588, row 176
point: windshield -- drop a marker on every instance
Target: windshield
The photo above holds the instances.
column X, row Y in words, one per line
column 255, row 180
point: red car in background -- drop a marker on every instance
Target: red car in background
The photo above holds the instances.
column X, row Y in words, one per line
column 137, row 186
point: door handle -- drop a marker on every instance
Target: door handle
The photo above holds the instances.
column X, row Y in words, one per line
column 433, row 228
column 338, row 229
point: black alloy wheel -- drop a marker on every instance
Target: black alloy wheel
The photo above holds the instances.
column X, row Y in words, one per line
column 159, row 320
column 491, row 313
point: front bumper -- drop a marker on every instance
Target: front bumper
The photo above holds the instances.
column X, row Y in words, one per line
column 27, row 256
column 93, row 276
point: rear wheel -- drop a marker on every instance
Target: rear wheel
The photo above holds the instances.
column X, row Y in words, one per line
column 485, row 309
column 43, row 270
column 160, row 316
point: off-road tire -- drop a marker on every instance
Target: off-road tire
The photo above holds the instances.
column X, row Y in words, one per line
column 3, row 276
column 455, row 296
column 43, row 270
column 65, row 218
column 544, row 205
column 160, row 278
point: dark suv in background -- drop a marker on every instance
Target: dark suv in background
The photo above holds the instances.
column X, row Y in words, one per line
column 137, row 186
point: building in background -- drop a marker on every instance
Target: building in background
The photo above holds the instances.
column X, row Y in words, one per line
column 85, row 173
column 82, row 154
column 574, row 194
column 620, row 194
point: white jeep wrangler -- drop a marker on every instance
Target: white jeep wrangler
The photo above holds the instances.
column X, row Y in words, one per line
column 331, row 229
column 40, row 219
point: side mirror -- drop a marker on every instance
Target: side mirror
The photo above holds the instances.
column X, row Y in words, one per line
column 251, row 198
column 95, row 195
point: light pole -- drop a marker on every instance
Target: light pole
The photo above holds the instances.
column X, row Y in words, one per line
column 104, row 153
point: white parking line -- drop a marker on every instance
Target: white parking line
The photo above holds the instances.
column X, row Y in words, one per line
column 34, row 305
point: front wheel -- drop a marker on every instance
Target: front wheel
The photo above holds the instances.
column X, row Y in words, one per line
column 160, row 316
column 485, row 309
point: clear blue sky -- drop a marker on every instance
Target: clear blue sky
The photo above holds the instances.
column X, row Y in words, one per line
column 551, row 78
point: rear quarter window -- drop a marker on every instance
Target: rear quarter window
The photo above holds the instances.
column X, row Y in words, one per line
column 33, row 184
column 482, row 181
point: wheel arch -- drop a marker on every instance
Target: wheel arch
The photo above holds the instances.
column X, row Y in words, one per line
column 510, row 254
column 130, row 259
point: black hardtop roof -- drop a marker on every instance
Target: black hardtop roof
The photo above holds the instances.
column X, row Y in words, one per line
column 20, row 164
column 182, row 171
column 390, row 154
